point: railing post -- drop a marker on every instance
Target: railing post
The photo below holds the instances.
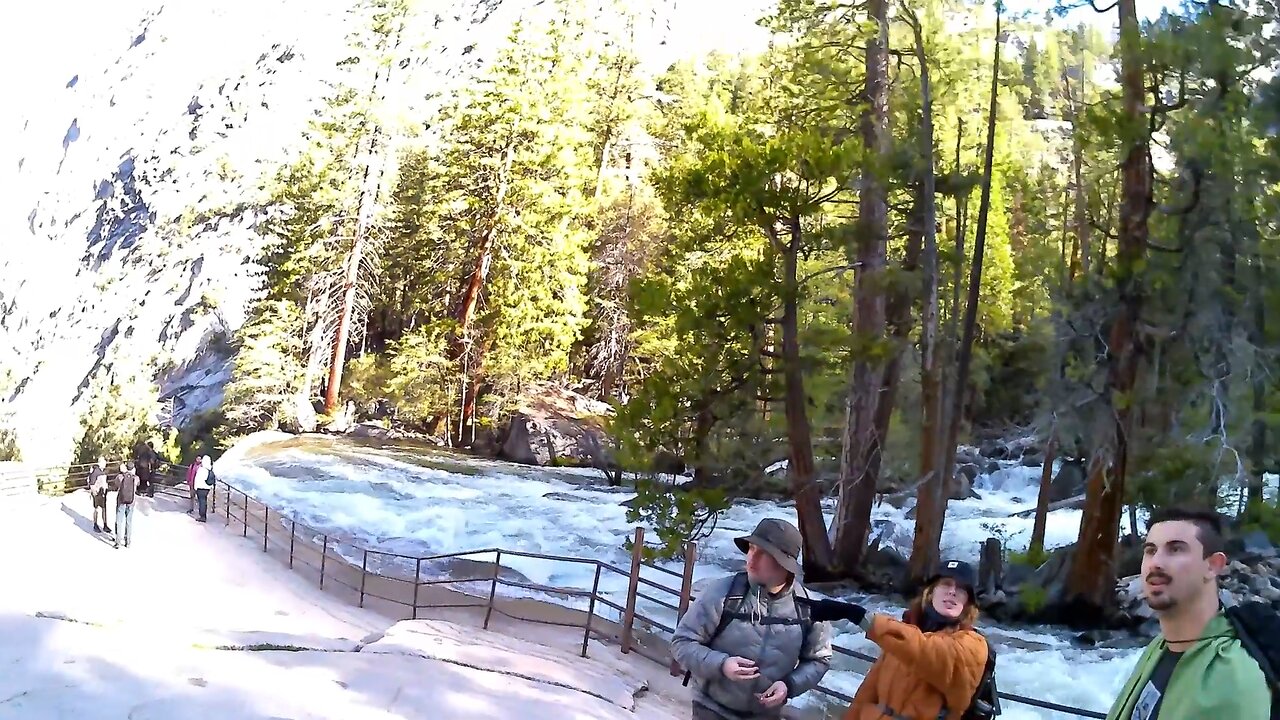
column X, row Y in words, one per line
column 246, row 514
column 417, row 580
column 493, row 587
column 293, row 532
column 324, row 554
column 591, row 610
column 228, row 504
column 266, row 522
column 213, row 499
column 364, row 573
column 686, row 583
column 629, row 617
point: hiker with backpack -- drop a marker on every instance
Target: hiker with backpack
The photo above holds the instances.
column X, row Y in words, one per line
column 126, row 489
column 203, row 481
column 98, row 491
column 933, row 663
column 1206, row 662
column 746, row 642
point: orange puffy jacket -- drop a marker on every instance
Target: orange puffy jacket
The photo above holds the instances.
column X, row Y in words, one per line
column 919, row 673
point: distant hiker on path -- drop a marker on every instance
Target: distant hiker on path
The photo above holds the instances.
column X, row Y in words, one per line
column 932, row 662
column 746, row 642
column 145, row 461
column 126, row 487
column 1196, row 668
column 191, row 484
column 203, row 481
column 98, row 491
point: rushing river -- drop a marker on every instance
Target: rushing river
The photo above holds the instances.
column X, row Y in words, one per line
column 417, row 501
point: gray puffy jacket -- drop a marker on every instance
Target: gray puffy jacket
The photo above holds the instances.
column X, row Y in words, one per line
column 766, row 630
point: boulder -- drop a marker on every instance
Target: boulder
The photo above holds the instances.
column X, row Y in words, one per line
column 488, row 442
column 1015, row 574
column 1033, row 459
column 994, row 450
column 969, row 470
column 961, row 488
column 966, row 455
column 552, row 425
column 371, row 430
column 555, row 441
column 304, row 417
column 989, row 466
column 1257, row 545
column 1070, row 480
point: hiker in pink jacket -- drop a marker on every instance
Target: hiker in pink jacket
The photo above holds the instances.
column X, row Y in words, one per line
column 191, row 485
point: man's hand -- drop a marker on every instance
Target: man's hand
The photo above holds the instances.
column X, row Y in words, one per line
column 774, row 696
column 740, row 668
column 828, row 610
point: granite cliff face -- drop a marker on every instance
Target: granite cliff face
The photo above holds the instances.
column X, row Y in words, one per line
column 135, row 150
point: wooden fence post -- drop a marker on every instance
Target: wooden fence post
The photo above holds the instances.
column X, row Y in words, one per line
column 686, row 582
column 629, row 617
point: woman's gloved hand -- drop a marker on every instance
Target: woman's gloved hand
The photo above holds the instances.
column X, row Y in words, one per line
column 828, row 610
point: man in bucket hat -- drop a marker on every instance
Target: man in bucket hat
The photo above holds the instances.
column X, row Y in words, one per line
column 746, row 642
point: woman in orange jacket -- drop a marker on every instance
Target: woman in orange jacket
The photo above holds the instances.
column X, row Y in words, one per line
column 930, row 661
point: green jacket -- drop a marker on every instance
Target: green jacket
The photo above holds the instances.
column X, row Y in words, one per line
column 1216, row 679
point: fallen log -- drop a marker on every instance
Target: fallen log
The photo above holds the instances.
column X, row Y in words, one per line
column 1071, row 503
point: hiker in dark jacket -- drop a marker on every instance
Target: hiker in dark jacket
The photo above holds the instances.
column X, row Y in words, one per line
column 144, row 463
column 1196, row 668
column 931, row 662
column 126, row 489
column 98, row 491
column 768, row 652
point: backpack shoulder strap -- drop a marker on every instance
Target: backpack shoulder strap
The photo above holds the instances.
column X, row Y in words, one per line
column 1253, row 622
column 732, row 604
column 802, row 610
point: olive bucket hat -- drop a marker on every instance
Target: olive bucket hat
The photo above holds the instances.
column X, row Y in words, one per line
column 779, row 538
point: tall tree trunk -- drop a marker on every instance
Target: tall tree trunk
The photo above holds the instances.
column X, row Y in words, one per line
column 1077, row 173
column 372, row 165
column 1258, row 441
column 370, row 187
column 1091, row 577
column 959, row 391
column 931, row 496
column 860, row 451
column 475, row 287
column 957, row 262
column 1042, row 500
column 818, row 559
column 484, row 249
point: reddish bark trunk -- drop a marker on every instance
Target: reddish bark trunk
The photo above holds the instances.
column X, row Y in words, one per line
column 1091, row 578
column 1042, row 501
column 475, row 287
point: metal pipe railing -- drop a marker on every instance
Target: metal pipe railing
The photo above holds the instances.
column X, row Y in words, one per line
column 627, row 610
